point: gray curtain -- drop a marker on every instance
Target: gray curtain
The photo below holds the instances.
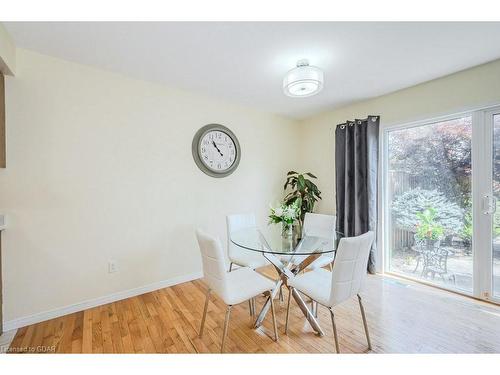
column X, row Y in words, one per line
column 356, row 172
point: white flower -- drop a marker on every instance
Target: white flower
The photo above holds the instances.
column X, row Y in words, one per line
column 289, row 213
column 278, row 211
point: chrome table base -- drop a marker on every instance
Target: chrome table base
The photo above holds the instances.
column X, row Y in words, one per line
column 285, row 272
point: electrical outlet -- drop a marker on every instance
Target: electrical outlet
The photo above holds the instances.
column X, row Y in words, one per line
column 112, row 267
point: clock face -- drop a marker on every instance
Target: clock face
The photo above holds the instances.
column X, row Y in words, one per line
column 217, row 151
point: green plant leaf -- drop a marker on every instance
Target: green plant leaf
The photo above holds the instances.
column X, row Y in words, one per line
column 298, row 201
column 304, row 193
column 301, row 183
column 288, row 182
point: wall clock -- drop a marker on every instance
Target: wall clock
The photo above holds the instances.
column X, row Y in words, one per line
column 216, row 150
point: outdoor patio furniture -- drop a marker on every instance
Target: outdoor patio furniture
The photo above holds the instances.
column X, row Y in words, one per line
column 434, row 259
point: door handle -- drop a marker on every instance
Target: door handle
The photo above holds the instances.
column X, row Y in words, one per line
column 489, row 204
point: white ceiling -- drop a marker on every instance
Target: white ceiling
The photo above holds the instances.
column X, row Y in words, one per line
column 245, row 62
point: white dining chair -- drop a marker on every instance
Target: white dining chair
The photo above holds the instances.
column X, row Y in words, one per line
column 346, row 280
column 321, row 226
column 237, row 255
column 243, row 257
column 233, row 287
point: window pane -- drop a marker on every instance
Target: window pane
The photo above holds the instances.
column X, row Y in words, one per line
column 430, row 203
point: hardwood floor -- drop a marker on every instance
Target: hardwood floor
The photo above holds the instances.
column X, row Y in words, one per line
column 403, row 317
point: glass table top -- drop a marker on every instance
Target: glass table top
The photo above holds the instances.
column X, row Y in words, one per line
column 272, row 242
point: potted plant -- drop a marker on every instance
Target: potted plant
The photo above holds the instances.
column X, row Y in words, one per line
column 428, row 229
column 304, row 193
column 286, row 214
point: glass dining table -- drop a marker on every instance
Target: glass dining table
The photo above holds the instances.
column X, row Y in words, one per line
column 289, row 256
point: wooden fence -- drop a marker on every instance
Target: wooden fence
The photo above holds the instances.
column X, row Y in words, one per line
column 400, row 182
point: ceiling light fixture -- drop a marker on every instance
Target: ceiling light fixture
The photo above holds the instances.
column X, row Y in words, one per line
column 303, row 81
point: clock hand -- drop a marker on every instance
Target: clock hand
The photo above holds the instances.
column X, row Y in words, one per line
column 217, row 148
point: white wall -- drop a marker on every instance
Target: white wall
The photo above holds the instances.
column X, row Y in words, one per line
column 7, row 53
column 472, row 88
column 99, row 167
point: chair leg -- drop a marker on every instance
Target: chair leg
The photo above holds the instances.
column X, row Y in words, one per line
column 314, row 308
column 335, row 332
column 230, row 266
column 274, row 317
column 418, row 263
column 204, row 312
column 364, row 322
column 250, row 307
column 226, row 325
column 281, row 293
column 288, row 308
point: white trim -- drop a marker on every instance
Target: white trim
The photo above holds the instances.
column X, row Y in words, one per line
column 481, row 186
column 384, row 217
column 428, row 121
column 436, row 117
column 6, row 339
column 380, row 255
column 40, row 317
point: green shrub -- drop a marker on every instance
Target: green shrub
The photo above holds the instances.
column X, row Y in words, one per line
column 427, row 210
column 428, row 228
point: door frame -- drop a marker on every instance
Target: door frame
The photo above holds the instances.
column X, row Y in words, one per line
column 481, row 185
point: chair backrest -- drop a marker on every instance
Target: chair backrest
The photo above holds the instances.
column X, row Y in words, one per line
column 349, row 267
column 234, row 223
column 214, row 265
column 319, row 225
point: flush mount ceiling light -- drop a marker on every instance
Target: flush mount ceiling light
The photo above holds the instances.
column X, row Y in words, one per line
column 303, row 81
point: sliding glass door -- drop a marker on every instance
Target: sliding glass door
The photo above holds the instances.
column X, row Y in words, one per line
column 441, row 225
column 429, row 201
